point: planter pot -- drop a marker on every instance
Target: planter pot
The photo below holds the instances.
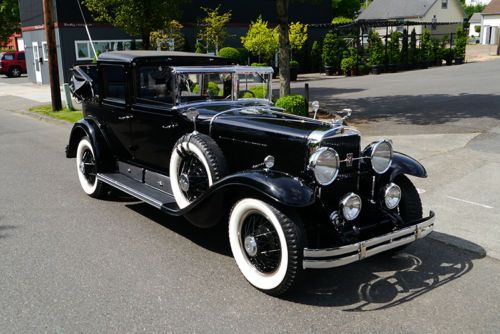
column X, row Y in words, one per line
column 376, row 69
column 422, row 66
column 449, row 62
column 459, row 61
column 294, row 72
column 392, row 68
column 329, row 70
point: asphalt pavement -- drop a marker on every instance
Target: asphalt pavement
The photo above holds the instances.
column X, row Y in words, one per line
column 70, row 263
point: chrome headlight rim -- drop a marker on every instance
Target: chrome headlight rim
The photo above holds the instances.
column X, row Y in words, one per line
column 374, row 147
column 386, row 191
column 313, row 160
column 344, row 203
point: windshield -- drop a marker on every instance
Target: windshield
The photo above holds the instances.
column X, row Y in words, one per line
column 195, row 84
column 254, row 85
column 204, row 86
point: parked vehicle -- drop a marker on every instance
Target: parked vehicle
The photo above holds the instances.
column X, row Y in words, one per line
column 187, row 134
column 12, row 64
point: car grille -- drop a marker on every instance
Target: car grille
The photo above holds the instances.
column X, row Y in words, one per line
column 345, row 145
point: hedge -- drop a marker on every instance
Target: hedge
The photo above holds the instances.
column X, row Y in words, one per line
column 293, row 104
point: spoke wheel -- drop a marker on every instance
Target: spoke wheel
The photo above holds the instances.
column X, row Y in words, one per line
column 87, row 169
column 196, row 163
column 267, row 245
column 261, row 242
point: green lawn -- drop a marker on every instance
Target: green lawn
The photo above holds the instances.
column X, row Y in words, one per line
column 65, row 114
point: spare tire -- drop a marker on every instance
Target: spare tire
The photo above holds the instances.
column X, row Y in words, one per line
column 196, row 163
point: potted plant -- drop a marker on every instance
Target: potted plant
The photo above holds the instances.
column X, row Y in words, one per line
column 447, row 56
column 460, row 44
column 332, row 53
column 425, row 52
column 376, row 50
column 348, row 65
column 294, row 70
column 413, row 51
column 394, row 53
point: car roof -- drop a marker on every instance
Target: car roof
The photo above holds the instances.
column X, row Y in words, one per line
column 142, row 55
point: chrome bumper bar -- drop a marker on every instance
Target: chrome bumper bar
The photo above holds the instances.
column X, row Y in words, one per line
column 339, row 256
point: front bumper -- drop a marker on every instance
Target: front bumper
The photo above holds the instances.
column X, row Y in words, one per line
column 339, row 256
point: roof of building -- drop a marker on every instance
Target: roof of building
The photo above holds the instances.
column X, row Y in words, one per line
column 475, row 18
column 396, row 9
column 138, row 55
column 492, row 8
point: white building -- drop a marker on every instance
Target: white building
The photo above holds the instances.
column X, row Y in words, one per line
column 475, row 26
column 448, row 14
column 490, row 23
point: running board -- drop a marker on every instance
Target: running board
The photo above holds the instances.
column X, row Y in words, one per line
column 157, row 198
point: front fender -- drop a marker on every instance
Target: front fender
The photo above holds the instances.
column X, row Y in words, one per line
column 277, row 187
column 404, row 164
column 89, row 127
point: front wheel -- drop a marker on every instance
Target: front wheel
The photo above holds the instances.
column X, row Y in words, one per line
column 267, row 245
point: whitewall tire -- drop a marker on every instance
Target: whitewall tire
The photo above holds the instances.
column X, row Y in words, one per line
column 266, row 244
column 86, row 169
column 195, row 164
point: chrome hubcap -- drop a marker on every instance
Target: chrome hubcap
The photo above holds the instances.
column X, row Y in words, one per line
column 184, row 182
column 251, row 246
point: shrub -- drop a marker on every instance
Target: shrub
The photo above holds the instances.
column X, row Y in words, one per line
column 426, row 46
column 477, row 29
column 376, row 48
column 316, row 57
column 393, row 48
column 259, row 64
column 341, row 20
column 260, row 92
column 332, row 50
column 347, row 65
column 293, row 104
column 294, row 64
column 213, row 88
column 460, row 44
column 230, row 53
column 404, row 47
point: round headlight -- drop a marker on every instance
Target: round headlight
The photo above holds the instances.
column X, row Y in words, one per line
column 392, row 195
column 350, row 206
column 325, row 165
column 381, row 156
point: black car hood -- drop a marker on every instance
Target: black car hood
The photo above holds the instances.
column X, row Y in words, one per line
column 256, row 117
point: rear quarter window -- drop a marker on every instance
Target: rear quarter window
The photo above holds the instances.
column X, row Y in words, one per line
column 114, row 81
column 21, row 56
column 8, row 56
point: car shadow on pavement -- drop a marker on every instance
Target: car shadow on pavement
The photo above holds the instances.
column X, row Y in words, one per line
column 386, row 281
column 213, row 239
column 3, row 230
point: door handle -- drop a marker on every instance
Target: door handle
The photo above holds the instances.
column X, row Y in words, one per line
column 123, row 118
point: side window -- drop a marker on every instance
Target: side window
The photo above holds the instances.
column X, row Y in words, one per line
column 114, row 82
column 8, row 56
column 20, row 56
column 154, row 84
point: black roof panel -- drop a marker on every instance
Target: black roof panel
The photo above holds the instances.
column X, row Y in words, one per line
column 138, row 56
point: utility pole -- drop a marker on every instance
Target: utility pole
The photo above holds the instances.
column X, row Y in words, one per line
column 50, row 34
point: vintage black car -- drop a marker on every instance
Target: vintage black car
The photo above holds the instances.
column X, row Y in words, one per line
column 198, row 136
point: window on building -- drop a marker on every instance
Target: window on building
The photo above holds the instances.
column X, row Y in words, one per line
column 84, row 50
column 45, row 51
column 114, row 82
column 444, row 4
column 155, row 84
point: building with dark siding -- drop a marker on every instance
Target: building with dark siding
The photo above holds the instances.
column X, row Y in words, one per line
column 73, row 44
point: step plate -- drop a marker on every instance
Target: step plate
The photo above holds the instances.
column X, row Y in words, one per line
column 138, row 189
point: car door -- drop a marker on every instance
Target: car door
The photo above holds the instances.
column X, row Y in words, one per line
column 155, row 126
column 116, row 112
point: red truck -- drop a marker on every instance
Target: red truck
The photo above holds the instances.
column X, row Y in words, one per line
column 12, row 64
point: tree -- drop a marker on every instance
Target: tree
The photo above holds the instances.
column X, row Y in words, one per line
column 9, row 19
column 346, row 8
column 284, row 46
column 261, row 40
column 172, row 31
column 137, row 18
column 404, row 48
column 297, row 34
column 412, row 52
column 213, row 27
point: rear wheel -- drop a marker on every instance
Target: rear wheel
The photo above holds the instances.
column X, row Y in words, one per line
column 87, row 169
column 267, row 245
column 14, row 72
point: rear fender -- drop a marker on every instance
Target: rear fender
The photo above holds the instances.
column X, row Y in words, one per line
column 88, row 127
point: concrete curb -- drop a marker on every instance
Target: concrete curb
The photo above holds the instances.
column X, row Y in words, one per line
column 43, row 118
column 458, row 243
